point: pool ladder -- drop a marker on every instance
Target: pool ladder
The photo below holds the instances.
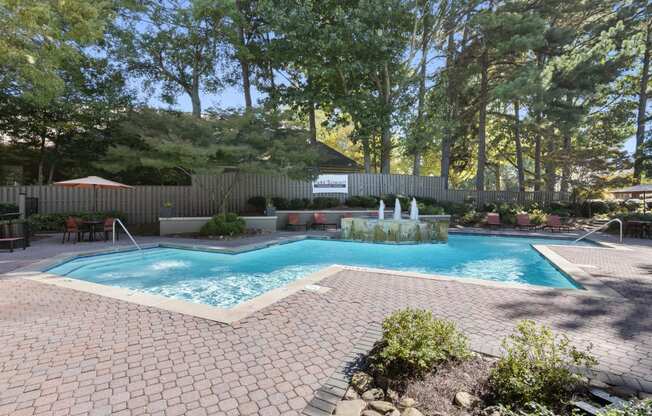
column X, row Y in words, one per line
column 603, row 226
column 117, row 220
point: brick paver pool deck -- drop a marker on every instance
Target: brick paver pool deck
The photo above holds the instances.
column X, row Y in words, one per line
column 69, row 352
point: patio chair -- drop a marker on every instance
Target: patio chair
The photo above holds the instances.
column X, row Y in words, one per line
column 320, row 221
column 108, row 229
column 493, row 220
column 6, row 236
column 294, row 222
column 553, row 223
column 72, row 227
column 634, row 229
column 523, row 222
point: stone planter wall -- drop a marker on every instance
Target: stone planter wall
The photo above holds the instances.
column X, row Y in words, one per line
column 396, row 231
column 187, row 225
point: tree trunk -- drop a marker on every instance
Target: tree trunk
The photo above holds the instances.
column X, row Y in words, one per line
column 642, row 106
column 313, row 123
column 538, row 148
column 194, row 98
column 565, row 169
column 41, row 162
column 519, row 148
column 386, row 133
column 425, row 41
column 366, row 151
column 385, row 150
column 482, row 121
column 246, row 84
column 550, row 165
column 447, row 140
column 497, row 176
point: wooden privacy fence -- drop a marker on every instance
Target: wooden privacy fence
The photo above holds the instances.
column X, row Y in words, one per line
column 142, row 204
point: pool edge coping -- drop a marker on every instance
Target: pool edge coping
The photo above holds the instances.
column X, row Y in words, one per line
column 38, row 272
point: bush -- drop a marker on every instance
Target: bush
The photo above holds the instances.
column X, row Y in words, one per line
column 537, row 217
column 414, row 342
column 530, row 409
column 259, row 203
column 6, row 208
column 324, row 202
column 633, row 205
column 536, row 366
column 633, row 408
column 55, row 222
column 362, row 202
column 390, row 200
column 224, row 224
column 298, row 203
column 430, row 210
column 281, row 203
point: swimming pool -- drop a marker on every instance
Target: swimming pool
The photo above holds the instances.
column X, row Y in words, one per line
column 225, row 280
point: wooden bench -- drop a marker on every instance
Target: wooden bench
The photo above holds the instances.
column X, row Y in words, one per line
column 12, row 242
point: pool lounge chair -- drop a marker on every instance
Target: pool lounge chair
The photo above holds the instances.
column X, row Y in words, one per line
column 523, row 222
column 493, row 220
column 553, row 223
column 9, row 239
column 319, row 221
column 294, row 222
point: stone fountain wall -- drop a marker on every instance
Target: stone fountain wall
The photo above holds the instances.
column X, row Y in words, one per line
column 396, row 231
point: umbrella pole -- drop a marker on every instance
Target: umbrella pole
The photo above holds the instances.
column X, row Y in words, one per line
column 95, row 197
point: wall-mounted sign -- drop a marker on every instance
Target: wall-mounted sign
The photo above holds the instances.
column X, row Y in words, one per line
column 331, row 184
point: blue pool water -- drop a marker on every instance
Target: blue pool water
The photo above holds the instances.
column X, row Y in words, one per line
column 226, row 280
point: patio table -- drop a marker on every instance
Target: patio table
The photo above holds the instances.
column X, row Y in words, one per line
column 91, row 228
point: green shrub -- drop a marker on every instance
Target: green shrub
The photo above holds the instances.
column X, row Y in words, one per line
column 390, row 200
column 281, row 203
column 324, row 202
column 529, row 409
column 224, row 224
column 259, row 203
column 414, row 342
column 537, row 217
column 536, row 366
column 6, row 208
column 362, row 202
column 633, row 408
column 298, row 203
column 430, row 210
column 55, row 222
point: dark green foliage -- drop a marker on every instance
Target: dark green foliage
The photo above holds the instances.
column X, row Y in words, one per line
column 362, row 202
column 390, row 200
column 536, row 366
column 6, row 208
column 224, row 225
column 281, row 203
column 430, row 210
column 414, row 342
column 322, row 202
column 55, row 222
column 633, row 408
column 298, row 203
column 259, row 203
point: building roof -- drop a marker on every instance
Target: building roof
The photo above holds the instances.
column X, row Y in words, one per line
column 330, row 160
column 635, row 188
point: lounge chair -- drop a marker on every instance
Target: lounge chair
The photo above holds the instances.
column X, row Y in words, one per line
column 553, row 223
column 493, row 220
column 319, row 221
column 72, row 227
column 7, row 237
column 294, row 222
column 523, row 222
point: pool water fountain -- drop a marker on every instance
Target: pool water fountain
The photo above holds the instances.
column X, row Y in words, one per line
column 398, row 230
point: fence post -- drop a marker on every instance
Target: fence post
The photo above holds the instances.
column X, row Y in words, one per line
column 22, row 206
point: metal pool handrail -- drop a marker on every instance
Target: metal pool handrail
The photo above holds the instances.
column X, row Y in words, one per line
column 603, row 226
column 117, row 220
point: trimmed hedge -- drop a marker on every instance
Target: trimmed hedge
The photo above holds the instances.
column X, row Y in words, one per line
column 224, row 225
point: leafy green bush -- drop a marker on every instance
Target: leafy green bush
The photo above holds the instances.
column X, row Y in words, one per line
column 529, row 409
column 537, row 217
column 362, row 202
column 430, row 210
column 536, row 366
column 6, row 208
column 259, row 203
column 224, row 224
column 324, row 202
column 633, row 408
column 390, row 200
column 414, row 342
column 281, row 203
column 298, row 203
column 55, row 222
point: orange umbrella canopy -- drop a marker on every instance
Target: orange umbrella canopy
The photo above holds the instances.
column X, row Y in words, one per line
column 93, row 182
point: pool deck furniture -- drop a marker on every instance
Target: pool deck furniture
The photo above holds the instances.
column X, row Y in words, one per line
column 638, row 228
column 71, row 227
column 493, row 220
column 320, row 222
column 523, row 222
column 553, row 223
column 93, row 227
column 295, row 223
column 10, row 238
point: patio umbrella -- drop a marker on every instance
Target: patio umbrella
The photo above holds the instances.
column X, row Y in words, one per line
column 95, row 183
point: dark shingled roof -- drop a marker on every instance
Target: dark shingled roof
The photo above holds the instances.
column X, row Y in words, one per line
column 334, row 161
column 635, row 188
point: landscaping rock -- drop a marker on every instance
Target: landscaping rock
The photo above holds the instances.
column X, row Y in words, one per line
column 361, row 381
column 371, row 413
column 622, row 391
column 351, row 394
column 350, row 407
column 465, row 400
column 373, row 394
column 407, row 402
column 394, row 412
column 491, row 411
column 381, row 406
column 392, row 395
column 411, row 411
column 644, row 396
column 598, row 384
